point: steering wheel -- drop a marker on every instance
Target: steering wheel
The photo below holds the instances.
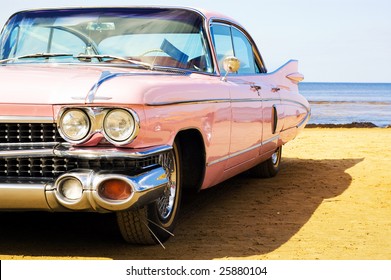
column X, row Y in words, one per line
column 152, row 51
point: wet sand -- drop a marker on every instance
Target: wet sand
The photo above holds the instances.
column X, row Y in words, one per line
column 331, row 200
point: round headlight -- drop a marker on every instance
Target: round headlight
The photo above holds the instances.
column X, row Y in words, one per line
column 119, row 125
column 75, row 124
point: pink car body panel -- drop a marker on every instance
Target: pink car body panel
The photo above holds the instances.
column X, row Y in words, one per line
column 205, row 107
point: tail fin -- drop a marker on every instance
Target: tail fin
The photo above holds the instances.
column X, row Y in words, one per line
column 289, row 71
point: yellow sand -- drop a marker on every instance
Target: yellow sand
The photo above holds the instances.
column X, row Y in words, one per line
column 331, row 200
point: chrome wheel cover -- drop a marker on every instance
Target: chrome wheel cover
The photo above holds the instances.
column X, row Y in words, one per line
column 166, row 203
column 276, row 157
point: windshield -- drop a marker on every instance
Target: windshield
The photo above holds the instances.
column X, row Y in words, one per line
column 157, row 37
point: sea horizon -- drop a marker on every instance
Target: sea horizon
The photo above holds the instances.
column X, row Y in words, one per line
column 347, row 103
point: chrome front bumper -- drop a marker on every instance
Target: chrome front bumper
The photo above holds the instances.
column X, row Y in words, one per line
column 146, row 186
column 66, row 150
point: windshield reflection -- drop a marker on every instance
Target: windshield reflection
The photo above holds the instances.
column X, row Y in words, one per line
column 156, row 37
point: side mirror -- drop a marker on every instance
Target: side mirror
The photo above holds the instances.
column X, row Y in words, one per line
column 231, row 65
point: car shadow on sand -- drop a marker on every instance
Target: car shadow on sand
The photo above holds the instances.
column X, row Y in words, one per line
column 239, row 218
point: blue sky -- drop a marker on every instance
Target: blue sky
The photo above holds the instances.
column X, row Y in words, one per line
column 334, row 40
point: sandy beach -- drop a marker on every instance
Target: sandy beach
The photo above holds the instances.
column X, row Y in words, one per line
column 331, row 200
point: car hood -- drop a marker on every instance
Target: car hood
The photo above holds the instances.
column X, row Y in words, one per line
column 32, row 84
column 67, row 84
column 73, row 84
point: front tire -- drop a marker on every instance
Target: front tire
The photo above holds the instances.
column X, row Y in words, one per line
column 270, row 167
column 155, row 222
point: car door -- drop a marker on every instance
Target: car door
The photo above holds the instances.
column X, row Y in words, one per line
column 253, row 97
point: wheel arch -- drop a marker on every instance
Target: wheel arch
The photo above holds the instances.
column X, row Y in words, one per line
column 193, row 158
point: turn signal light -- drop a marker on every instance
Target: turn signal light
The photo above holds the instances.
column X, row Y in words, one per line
column 115, row 189
column 71, row 188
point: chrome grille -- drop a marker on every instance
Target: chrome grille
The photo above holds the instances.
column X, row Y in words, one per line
column 29, row 133
column 52, row 167
column 17, row 136
column 34, row 167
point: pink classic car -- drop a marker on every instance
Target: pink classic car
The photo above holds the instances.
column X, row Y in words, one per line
column 121, row 109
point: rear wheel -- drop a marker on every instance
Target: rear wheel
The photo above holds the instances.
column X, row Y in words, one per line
column 155, row 222
column 270, row 167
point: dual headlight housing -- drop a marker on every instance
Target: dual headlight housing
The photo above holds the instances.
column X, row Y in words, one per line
column 77, row 125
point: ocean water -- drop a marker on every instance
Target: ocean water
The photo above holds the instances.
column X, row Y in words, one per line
column 345, row 103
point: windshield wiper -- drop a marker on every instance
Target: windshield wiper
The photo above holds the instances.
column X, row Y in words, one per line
column 80, row 57
column 35, row 55
column 103, row 56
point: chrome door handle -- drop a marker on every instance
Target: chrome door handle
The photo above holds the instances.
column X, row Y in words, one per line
column 255, row 87
column 275, row 89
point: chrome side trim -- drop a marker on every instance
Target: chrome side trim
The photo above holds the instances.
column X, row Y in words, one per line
column 227, row 157
column 271, row 139
column 305, row 120
column 206, row 101
column 295, row 102
column 24, row 119
column 200, row 101
column 225, row 100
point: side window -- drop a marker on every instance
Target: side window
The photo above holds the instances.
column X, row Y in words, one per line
column 244, row 52
column 222, row 41
column 229, row 41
